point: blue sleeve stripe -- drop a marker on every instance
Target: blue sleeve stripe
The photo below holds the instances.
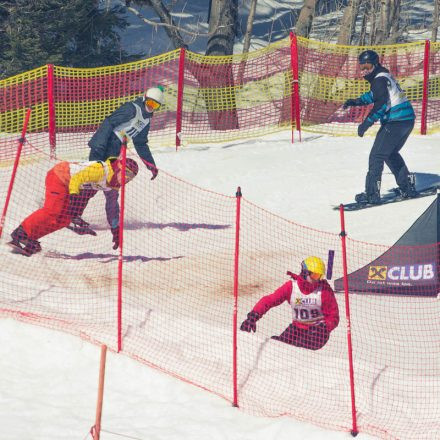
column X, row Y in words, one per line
column 367, row 98
column 379, row 114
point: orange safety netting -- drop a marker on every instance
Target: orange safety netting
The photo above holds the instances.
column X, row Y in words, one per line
column 178, row 303
column 179, row 245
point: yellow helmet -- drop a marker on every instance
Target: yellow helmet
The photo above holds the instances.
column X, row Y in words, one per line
column 313, row 265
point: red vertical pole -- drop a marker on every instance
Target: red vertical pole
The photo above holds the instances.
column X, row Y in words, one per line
column 51, row 107
column 343, row 234
column 123, row 157
column 180, row 85
column 234, row 331
column 424, row 121
column 296, row 114
column 14, row 169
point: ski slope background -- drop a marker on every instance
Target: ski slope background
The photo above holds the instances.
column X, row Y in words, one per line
column 49, row 379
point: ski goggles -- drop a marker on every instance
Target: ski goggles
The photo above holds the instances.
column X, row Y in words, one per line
column 129, row 175
column 315, row 276
column 154, row 105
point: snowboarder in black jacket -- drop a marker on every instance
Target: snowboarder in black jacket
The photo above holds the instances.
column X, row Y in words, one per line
column 396, row 115
column 131, row 119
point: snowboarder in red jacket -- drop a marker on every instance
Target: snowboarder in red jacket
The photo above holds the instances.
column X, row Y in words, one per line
column 315, row 311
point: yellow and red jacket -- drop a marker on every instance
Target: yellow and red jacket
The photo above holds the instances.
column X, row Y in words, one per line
column 81, row 175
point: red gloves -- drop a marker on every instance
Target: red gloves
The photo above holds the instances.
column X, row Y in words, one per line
column 152, row 168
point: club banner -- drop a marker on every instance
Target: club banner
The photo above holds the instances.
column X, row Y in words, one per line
column 409, row 267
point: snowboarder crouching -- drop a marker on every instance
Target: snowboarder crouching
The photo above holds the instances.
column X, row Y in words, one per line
column 67, row 185
column 314, row 307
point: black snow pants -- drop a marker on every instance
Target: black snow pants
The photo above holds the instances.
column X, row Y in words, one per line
column 390, row 138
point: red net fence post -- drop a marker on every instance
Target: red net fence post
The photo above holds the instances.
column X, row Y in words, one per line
column 121, row 239
column 180, row 85
column 21, row 141
column 424, row 116
column 236, row 261
column 295, row 112
column 51, row 110
column 343, row 234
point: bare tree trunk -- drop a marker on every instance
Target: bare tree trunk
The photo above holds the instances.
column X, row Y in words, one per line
column 435, row 20
column 373, row 11
column 249, row 26
column 394, row 22
column 348, row 22
column 247, row 41
column 220, row 100
column 305, row 19
column 382, row 25
column 223, row 22
column 363, row 34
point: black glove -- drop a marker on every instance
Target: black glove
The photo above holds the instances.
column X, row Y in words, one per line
column 362, row 128
column 350, row 103
column 115, row 233
column 250, row 322
column 80, row 227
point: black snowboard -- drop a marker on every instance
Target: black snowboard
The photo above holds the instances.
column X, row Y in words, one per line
column 392, row 197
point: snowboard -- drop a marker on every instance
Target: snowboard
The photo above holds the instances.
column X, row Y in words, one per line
column 392, row 197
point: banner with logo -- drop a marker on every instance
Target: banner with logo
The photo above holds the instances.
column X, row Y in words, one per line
column 409, row 267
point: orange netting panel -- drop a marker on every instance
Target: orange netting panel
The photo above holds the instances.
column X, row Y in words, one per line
column 177, row 304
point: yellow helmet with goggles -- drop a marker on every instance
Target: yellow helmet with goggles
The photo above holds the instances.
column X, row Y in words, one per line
column 313, row 267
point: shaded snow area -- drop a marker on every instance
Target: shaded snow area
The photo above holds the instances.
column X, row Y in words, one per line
column 48, row 380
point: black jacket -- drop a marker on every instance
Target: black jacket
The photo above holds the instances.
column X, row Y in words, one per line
column 104, row 143
column 379, row 96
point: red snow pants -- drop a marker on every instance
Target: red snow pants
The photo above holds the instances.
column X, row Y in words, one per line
column 54, row 214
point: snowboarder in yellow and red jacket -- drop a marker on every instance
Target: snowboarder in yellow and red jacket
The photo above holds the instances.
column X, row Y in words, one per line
column 67, row 184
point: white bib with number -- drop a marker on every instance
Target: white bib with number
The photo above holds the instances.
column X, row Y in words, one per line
column 132, row 127
column 306, row 308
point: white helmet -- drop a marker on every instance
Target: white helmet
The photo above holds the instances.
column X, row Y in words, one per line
column 155, row 93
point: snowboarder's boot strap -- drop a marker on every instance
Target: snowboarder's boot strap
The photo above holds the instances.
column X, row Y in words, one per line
column 409, row 191
column 364, row 198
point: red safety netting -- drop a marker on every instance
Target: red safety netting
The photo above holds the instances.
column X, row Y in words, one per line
column 178, row 303
column 179, row 241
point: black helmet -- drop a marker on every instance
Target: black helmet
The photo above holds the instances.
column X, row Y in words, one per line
column 369, row 56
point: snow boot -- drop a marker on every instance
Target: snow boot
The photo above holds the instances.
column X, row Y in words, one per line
column 80, row 227
column 409, row 190
column 371, row 199
column 22, row 244
column 371, row 195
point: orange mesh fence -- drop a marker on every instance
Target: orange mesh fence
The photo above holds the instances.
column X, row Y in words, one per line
column 179, row 241
column 329, row 74
column 177, row 302
column 223, row 98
